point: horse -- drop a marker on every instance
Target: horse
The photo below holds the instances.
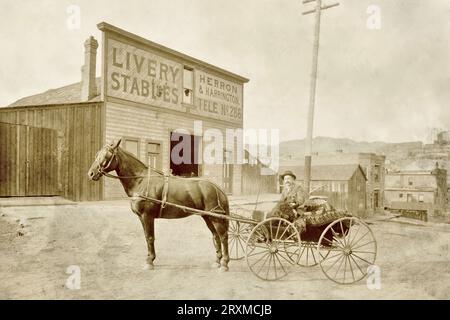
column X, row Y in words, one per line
column 165, row 196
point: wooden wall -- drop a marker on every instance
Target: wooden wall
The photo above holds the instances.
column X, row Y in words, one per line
column 253, row 182
column 80, row 136
column 27, row 156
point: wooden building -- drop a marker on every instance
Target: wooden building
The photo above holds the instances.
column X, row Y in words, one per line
column 257, row 177
column 152, row 98
column 344, row 185
column 421, row 191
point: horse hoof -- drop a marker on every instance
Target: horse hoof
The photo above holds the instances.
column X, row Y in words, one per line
column 223, row 269
column 148, row 267
column 215, row 265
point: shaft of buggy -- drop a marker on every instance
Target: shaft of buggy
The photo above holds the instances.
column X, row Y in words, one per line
column 203, row 212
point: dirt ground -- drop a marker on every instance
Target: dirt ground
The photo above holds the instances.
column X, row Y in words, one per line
column 105, row 240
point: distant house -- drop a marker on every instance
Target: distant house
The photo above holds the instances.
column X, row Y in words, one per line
column 257, row 177
column 344, row 185
column 373, row 166
column 420, row 190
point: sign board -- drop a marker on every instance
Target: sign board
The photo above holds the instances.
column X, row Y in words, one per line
column 142, row 76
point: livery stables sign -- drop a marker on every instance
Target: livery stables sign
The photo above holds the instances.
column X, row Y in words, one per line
column 141, row 76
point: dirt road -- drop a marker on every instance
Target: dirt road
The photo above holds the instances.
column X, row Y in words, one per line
column 105, row 240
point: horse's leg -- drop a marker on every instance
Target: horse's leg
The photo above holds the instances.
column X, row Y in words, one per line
column 221, row 227
column 148, row 222
column 216, row 240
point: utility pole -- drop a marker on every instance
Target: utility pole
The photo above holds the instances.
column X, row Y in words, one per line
column 312, row 94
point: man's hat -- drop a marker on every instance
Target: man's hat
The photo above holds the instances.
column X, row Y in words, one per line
column 288, row 173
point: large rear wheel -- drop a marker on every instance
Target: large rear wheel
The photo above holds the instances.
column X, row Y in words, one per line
column 347, row 247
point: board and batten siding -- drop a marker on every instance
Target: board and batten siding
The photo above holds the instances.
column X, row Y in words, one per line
column 148, row 125
column 80, row 136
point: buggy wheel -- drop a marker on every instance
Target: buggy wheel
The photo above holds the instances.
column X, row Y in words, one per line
column 308, row 255
column 237, row 237
column 272, row 248
column 347, row 247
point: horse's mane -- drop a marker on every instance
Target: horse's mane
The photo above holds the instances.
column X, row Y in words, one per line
column 133, row 157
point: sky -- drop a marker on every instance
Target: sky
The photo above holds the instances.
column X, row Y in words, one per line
column 390, row 83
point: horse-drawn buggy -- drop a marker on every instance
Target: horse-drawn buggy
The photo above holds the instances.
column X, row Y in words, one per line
column 343, row 245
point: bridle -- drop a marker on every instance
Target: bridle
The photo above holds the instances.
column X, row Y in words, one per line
column 102, row 169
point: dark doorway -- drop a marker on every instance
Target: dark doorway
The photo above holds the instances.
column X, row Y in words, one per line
column 184, row 154
column 376, row 199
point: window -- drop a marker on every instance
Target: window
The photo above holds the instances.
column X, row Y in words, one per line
column 410, row 181
column 153, row 158
column 420, row 197
column 132, row 145
column 376, row 175
column 188, row 85
column 400, row 195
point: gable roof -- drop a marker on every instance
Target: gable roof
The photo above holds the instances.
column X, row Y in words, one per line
column 339, row 172
column 63, row 95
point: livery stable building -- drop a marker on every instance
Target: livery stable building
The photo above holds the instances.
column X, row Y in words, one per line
column 150, row 96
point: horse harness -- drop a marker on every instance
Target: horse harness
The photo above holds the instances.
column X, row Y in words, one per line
column 163, row 202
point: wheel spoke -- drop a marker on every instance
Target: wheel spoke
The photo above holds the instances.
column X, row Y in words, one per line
column 365, row 244
column 275, row 266
column 342, row 231
column 345, row 267
column 276, row 255
column 335, row 236
column 256, row 253
column 289, row 261
column 358, row 251
column 260, row 259
column 339, row 268
column 307, row 254
column 356, row 234
column 354, row 243
column 268, row 268
column 356, row 256
column 270, row 227
column 351, row 268
column 334, row 263
column 312, row 253
column 292, row 235
column 240, row 244
column 278, row 228
column 332, row 257
column 362, row 272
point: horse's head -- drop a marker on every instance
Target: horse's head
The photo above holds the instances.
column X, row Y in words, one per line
column 105, row 161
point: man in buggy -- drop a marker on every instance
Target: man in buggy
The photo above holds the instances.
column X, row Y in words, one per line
column 295, row 203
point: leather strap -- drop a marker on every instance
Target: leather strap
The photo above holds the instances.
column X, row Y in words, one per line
column 164, row 194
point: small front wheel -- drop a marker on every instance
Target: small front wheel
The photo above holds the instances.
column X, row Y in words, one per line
column 237, row 237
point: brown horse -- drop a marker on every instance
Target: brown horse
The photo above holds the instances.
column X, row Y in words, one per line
column 141, row 187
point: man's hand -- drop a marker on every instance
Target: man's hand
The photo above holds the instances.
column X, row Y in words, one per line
column 293, row 205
